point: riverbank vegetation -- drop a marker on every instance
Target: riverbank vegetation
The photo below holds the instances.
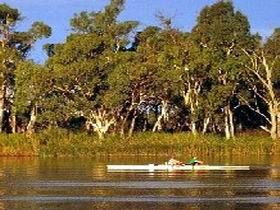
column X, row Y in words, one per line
column 113, row 88
column 59, row 143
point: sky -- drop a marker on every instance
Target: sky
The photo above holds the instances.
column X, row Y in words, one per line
column 263, row 15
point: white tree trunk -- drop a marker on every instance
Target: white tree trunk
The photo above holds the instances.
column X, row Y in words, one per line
column 263, row 70
column 193, row 124
column 31, row 124
column 227, row 130
column 132, row 125
column 14, row 123
column 101, row 121
column 273, row 115
column 231, row 123
column 205, row 124
column 2, row 105
column 162, row 117
column 191, row 100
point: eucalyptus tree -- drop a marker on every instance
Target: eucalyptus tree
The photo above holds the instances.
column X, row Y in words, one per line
column 141, row 79
column 132, row 81
column 147, row 68
column 194, row 77
column 32, row 87
column 124, row 91
column 180, row 72
column 81, row 66
column 220, row 33
column 155, row 74
column 14, row 47
column 264, row 70
column 169, row 74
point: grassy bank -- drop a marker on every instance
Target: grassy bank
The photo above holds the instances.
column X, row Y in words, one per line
column 65, row 143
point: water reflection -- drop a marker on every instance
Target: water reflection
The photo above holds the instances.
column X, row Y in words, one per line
column 85, row 184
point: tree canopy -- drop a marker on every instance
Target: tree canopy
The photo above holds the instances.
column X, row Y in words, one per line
column 112, row 78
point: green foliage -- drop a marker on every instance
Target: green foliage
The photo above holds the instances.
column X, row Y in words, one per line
column 8, row 15
column 216, row 58
column 17, row 82
column 272, row 52
column 218, row 26
column 40, row 30
column 104, row 23
column 97, row 74
column 87, row 79
column 119, row 80
column 29, row 84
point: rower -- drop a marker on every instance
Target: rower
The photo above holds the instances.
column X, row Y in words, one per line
column 195, row 161
column 173, row 162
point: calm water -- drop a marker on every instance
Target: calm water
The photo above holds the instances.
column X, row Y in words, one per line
column 85, row 184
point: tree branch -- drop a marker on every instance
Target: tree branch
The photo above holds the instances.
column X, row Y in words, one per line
column 255, row 110
column 265, row 128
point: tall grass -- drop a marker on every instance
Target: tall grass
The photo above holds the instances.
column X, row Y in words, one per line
column 59, row 142
column 18, row 145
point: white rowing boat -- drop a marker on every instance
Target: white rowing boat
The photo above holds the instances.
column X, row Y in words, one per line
column 163, row 167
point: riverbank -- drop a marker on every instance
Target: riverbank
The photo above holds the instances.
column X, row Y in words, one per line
column 59, row 143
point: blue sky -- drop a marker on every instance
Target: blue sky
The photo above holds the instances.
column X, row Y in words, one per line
column 263, row 15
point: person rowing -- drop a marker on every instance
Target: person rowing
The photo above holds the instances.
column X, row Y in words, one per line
column 194, row 161
column 173, row 162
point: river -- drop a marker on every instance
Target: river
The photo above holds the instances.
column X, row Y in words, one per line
column 74, row 183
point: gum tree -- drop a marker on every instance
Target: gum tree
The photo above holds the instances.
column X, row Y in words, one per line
column 14, row 46
column 81, row 66
column 32, row 87
column 155, row 75
column 263, row 68
column 220, row 33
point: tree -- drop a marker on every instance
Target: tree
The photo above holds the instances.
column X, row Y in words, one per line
column 81, row 66
column 31, row 85
column 14, row 47
column 154, row 75
column 220, row 34
column 195, row 75
column 264, row 65
column 170, row 60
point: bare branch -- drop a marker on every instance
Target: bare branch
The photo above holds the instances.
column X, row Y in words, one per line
column 265, row 128
column 264, row 82
column 261, row 96
column 255, row 110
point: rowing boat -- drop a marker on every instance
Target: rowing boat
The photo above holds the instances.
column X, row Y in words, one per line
column 165, row 167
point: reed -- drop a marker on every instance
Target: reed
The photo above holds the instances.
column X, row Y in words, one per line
column 60, row 142
column 18, row 145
